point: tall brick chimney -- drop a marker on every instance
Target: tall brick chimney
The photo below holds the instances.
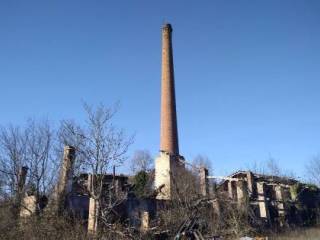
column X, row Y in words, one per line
column 169, row 130
column 169, row 160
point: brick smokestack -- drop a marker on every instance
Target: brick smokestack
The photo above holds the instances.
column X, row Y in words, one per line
column 169, row 130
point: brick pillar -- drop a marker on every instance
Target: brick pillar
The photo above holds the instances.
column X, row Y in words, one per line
column 29, row 206
column 22, row 175
column 250, row 183
column 145, row 221
column 90, row 183
column 204, row 183
column 293, row 193
column 242, row 192
column 280, row 204
column 216, row 207
column 264, row 213
column 93, row 216
column 22, row 178
column 21, row 182
column 230, row 189
column 65, row 180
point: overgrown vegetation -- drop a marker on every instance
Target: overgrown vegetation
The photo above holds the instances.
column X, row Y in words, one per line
column 141, row 184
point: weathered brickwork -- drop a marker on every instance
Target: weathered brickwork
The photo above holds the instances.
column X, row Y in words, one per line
column 169, row 130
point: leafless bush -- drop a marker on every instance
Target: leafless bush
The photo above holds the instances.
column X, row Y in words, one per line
column 235, row 218
column 186, row 204
column 215, row 215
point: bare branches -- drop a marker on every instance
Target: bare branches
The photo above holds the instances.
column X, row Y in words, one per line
column 39, row 146
column 12, row 155
column 141, row 161
column 71, row 134
column 23, row 149
column 100, row 146
column 105, row 145
column 313, row 170
column 201, row 161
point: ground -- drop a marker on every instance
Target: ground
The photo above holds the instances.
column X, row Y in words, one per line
column 301, row 234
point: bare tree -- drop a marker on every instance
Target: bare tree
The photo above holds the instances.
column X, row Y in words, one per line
column 313, row 170
column 271, row 167
column 71, row 134
column 102, row 147
column 29, row 147
column 12, row 157
column 39, row 157
column 2, row 186
column 141, row 161
column 201, row 161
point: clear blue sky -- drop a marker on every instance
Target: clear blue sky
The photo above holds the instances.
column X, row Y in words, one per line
column 247, row 72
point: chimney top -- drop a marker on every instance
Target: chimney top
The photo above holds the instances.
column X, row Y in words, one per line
column 24, row 168
column 69, row 147
column 167, row 26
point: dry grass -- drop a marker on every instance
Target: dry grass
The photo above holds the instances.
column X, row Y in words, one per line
column 301, row 234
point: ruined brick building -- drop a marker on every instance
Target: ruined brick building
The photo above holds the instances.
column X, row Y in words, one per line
column 274, row 201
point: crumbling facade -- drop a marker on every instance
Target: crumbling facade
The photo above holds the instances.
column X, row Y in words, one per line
column 273, row 199
column 80, row 201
